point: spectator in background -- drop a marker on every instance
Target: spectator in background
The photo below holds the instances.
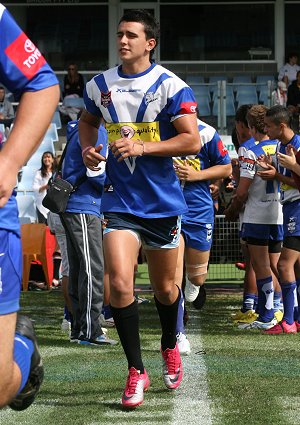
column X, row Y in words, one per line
column 40, row 184
column 293, row 101
column 82, row 224
column 73, row 82
column 279, row 96
column 73, row 88
column 288, row 71
column 7, row 113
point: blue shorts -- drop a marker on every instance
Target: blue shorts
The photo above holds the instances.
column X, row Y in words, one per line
column 291, row 218
column 154, row 233
column 198, row 236
column 10, row 272
column 263, row 232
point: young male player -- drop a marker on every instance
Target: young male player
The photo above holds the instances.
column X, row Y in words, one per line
column 150, row 117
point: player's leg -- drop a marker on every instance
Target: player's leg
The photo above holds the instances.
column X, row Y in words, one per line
column 20, row 363
column 9, row 371
column 162, row 266
column 121, row 249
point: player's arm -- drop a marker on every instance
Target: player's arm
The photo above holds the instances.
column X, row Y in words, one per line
column 188, row 173
column 239, row 199
column 186, row 142
column 33, row 116
column 88, row 136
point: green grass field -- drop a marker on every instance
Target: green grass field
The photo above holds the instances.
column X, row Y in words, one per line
column 232, row 377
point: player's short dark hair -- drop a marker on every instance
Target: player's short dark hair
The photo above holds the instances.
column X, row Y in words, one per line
column 241, row 114
column 279, row 114
column 144, row 17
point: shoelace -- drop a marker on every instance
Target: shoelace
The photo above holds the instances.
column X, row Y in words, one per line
column 170, row 359
column 132, row 381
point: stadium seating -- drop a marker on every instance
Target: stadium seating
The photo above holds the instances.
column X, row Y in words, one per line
column 27, row 208
column 56, row 120
column 246, row 94
column 204, row 107
column 194, row 79
column 238, row 80
column 26, row 182
column 73, row 102
column 230, row 106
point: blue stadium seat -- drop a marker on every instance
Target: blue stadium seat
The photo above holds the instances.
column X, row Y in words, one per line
column 202, row 91
column 52, row 132
column 27, row 208
column 204, row 107
column 230, row 106
column 262, row 79
column 73, row 102
column 27, row 177
column 56, row 120
column 194, row 79
column 240, row 79
column 264, row 94
column 247, row 91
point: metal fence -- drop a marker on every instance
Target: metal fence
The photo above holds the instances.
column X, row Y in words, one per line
column 225, row 252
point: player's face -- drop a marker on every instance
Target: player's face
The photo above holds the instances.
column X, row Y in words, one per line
column 132, row 44
column 273, row 130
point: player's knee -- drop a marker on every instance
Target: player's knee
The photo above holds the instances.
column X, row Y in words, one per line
column 120, row 288
column 197, row 273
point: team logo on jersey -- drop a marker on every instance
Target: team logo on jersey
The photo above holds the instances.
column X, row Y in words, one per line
column 222, row 149
column 25, row 55
column 188, row 108
column 108, row 188
column 105, row 99
column 292, row 224
column 150, row 97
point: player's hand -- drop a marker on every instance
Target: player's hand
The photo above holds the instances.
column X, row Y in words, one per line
column 269, row 173
column 185, row 172
column 8, row 179
column 92, row 158
column 288, row 160
column 125, row 147
column 264, row 161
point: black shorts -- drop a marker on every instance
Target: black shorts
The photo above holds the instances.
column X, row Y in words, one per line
column 292, row 242
column 154, row 233
column 274, row 246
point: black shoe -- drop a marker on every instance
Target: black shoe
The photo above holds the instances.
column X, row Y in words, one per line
column 26, row 397
column 201, row 298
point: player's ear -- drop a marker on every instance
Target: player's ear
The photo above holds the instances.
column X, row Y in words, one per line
column 151, row 43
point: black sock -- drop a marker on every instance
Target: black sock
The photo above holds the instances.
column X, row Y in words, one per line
column 127, row 324
column 168, row 318
column 56, row 264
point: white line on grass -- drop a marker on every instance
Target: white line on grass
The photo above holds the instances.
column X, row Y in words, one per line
column 192, row 404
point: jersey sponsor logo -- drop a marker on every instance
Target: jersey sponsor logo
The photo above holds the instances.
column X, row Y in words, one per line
column 105, row 99
column 25, row 55
column 188, row 108
column 150, row 97
column 222, row 149
column 145, row 131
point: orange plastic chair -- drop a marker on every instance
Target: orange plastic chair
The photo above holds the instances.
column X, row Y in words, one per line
column 38, row 244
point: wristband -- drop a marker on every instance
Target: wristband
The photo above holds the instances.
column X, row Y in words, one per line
column 86, row 150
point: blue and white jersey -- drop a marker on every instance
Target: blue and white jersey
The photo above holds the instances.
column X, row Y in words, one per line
column 288, row 193
column 197, row 194
column 262, row 206
column 141, row 106
column 22, row 68
column 243, row 149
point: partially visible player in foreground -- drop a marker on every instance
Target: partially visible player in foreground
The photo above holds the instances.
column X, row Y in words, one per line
column 150, row 117
column 21, row 369
column 196, row 173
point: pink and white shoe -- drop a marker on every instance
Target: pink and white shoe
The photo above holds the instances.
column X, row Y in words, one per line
column 172, row 367
column 136, row 384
